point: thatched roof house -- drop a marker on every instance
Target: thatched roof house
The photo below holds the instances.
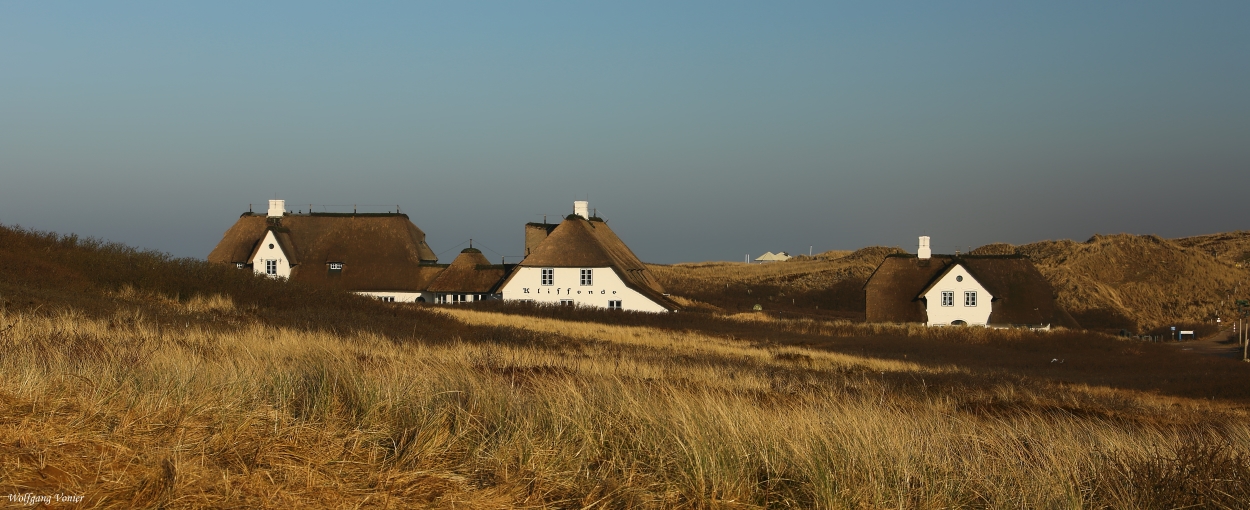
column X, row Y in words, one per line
column 470, row 277
column 946, row 289
column 377, row 254
column 582, row 262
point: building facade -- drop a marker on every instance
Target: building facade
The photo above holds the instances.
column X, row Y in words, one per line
column 582, row 262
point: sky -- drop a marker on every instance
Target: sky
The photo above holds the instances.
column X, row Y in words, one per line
column 699, row 130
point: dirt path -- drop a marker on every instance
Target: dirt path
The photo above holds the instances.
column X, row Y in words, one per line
column 1223, row 344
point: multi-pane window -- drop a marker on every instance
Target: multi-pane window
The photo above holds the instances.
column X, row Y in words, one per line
column 336, row 266
column 970, row 298
column 614, row 305
column 387, row 299
column 566, row 302
column 548, row 276
column 238, row 265
column 587, row 277
column 271, row 267
column 457, row 298
column 948, row 298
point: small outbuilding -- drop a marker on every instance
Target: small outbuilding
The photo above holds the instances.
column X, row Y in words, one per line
column 469, row 278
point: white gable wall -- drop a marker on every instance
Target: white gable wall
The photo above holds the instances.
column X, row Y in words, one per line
column 271, row 250
column 939, row 315
column 526, row 284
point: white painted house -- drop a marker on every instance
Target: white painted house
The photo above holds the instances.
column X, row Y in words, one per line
column 382, row 255
column 581, row 262
column 959, row 290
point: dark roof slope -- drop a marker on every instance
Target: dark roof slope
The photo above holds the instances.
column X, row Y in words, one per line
column 380, row 252
column 1021, row 294
column 470, row 273
column 578, row 242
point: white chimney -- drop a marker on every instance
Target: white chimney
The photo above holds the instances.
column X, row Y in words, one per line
column 923, row 251
column 582, row 208
column 277, row 208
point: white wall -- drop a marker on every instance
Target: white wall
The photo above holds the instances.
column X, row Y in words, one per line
column 944, row 315
column 527, row 285
column 400, row 297
column 469, row 297
column 274, row 253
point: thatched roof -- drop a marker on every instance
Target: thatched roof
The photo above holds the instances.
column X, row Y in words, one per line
column 1021, row 295
column 470, row 273
column 578, row 242
column 379, row 252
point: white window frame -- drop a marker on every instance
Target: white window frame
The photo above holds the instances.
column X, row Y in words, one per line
column 970, row 298
column 588, row 277
column 458, row 298
column 547, row 276
column 614, row 304
column 387, row 299
column 948, row 298
column 336, row 266
column 271, row 267
column 566, row 302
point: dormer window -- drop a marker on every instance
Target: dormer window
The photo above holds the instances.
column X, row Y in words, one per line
column 271, row 267
column 336, row 267
column 238, row 265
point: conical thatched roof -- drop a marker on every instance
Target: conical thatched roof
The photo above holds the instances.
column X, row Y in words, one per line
column 470, row 273
column 379, row 252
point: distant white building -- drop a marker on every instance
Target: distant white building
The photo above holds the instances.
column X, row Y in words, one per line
column 581, row 262
column 780, row 256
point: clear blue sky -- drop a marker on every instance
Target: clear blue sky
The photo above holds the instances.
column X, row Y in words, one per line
column 699, row 130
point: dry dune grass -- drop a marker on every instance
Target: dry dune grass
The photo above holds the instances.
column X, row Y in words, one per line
column 129, row 413
column 826, row 284
column 1231, row 247
column 1145, row 282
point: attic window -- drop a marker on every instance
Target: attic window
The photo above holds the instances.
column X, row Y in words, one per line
column 336, row 267
column 548, row 276
column 959, row 278
column 271, row 246
column 970, row 298
column 238, row 265
column 588, row 276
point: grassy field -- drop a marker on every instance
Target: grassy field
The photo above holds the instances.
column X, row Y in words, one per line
column 250, row 394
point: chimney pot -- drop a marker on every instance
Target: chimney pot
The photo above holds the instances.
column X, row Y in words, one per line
column 923, row 251
column 582, row 208
column 277, row 208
